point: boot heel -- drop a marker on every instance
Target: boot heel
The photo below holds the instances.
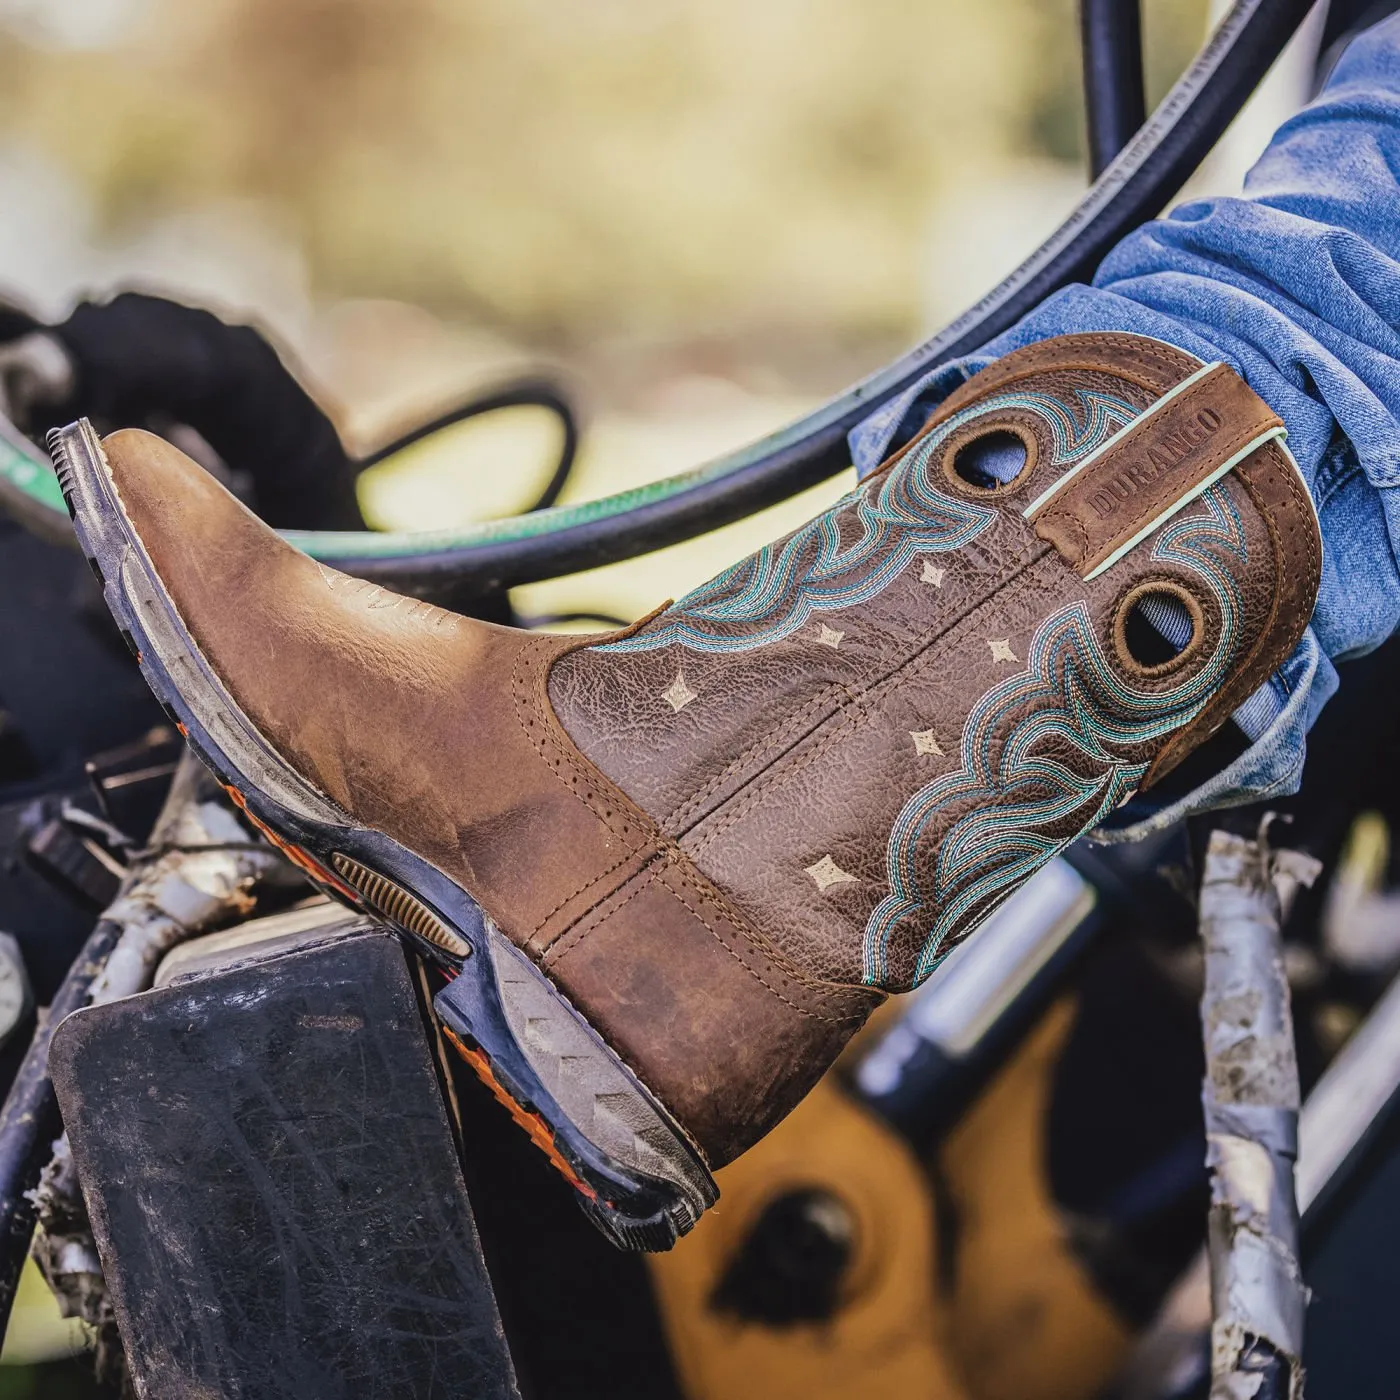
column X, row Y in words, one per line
column 637, row 1176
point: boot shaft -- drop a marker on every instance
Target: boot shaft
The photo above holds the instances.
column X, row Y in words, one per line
column 673, row 870
column 871, row 732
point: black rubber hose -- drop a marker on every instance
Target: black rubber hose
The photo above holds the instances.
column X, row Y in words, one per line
column 29, row 1120
column 1115, row 103
column 530, row 392
column 1134, row 188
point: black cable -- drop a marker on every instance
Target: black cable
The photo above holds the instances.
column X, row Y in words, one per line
column 1115, row 104
column 1134, row 188
column 532, row 392
column 30, row 1121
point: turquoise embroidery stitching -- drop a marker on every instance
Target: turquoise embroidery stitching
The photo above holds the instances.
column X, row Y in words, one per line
column 775, row 592
column 1067, row 690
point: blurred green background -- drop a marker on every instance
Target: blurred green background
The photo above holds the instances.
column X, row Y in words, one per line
column 708, row 214
column 711, row 214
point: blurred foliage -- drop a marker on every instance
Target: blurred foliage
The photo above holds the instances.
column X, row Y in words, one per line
column 566, row 169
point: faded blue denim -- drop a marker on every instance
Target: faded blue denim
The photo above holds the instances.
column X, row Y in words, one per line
column 1297, row 285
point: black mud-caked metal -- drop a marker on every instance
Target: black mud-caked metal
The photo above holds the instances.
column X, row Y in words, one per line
column 274, row 1186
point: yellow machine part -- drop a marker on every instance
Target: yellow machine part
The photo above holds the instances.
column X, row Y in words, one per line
column 884, row 1340
column 1026, row 1319
column 1022, row 1320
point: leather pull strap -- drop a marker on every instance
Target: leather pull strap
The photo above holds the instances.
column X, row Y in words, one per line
column 1152, row 467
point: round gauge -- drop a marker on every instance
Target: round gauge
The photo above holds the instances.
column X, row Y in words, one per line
column 15, row 996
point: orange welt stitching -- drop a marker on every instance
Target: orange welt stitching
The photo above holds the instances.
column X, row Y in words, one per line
column 536, row 1128
column 298, row 857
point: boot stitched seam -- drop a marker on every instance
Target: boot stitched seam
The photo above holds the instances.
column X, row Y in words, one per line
column 685, row 810
column 666, row 849
column 1145, row 350
column 773, row 741
column 1142, row 352
column 738, row 804
column 643, row 881
column 829, row 992
column 519, row 690
column 582, row 778
column 583, row 890
column 676, row 860
column 586, row 922
column 755, row 791
column 1295, row 489
column 856, row 696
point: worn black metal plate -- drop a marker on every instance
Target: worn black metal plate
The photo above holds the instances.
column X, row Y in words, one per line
column 1351, row 1263
column 273, row 1185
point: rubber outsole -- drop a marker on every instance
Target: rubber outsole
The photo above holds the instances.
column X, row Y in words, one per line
column 634, row 1171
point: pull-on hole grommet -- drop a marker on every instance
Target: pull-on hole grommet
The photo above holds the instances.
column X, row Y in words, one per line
column 1158, row 627
column 991, row 459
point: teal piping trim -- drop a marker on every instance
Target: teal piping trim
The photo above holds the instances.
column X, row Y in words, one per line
column 1051, row 492
column 1272, row 435
column 1011, row 790
column 857, row 549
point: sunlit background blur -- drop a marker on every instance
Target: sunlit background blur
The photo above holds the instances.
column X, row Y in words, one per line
column 707, row 214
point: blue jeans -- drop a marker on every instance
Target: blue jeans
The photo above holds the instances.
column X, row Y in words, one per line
column 1297, row 285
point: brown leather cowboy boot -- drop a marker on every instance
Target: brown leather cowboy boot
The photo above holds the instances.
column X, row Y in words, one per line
column 672, row 870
